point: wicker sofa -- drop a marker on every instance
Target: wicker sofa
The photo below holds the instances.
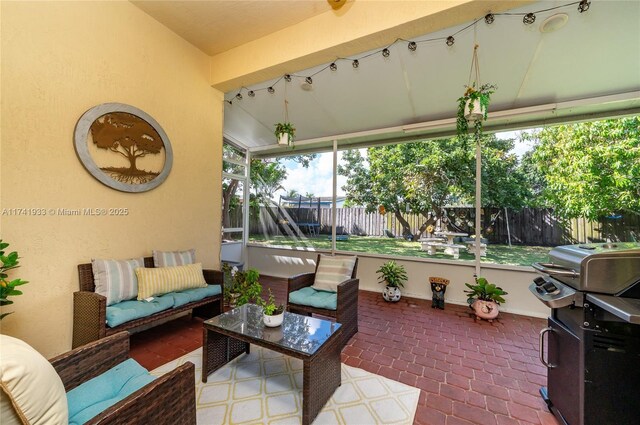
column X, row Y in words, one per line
column 90, row 308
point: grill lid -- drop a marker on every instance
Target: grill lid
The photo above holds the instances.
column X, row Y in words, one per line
column 606, row 268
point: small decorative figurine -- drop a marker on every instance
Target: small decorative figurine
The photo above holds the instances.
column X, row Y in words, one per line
column 438, row 288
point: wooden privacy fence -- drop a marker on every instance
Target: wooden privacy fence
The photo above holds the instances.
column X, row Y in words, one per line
column 528, row 226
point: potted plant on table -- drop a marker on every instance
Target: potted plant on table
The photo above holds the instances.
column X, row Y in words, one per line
column 484, row 298
column 272, row 313
column 285, row 133
column 8, row 287
column 393, row 275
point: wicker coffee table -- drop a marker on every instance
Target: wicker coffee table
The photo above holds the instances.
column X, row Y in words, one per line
column 315, row 341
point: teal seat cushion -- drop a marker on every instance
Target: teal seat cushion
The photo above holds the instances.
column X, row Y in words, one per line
column 314, row 298
column 125, row 311
column 191, row 295
column 98, row 394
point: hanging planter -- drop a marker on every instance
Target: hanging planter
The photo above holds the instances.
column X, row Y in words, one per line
column 285, row 133
column 473, row 105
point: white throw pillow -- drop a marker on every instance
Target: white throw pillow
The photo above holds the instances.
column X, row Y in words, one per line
column 174, row 258
column 116, row 279
column 32, row 392
column 332, row 271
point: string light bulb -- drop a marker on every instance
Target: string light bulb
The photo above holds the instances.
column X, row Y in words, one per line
column 489, row 18
column 287, row 78
column 239, row 96
column 529, row 18
column 271, row 90
column 412, row 46
column 251, row 93
column 386, row 52
column 355, row 63
column 584, row 6
column 333, row 66
column 450, row 41
column 309, row 80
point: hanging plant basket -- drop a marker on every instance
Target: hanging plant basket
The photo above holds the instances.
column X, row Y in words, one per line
column 473, row 110
column 285, row 133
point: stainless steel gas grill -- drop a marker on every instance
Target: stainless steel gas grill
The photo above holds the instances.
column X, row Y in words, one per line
column 593, row 337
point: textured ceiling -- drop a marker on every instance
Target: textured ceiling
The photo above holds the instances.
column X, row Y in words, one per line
column 217, row 26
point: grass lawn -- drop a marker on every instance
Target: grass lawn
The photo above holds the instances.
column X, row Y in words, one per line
column 497, row 254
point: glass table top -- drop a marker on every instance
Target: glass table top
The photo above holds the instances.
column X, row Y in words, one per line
column 300, row 333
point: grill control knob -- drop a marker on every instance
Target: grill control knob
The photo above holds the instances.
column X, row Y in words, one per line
column 539, row 281
column 550, row 287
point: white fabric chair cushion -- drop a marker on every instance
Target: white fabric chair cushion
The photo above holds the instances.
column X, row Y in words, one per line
column 332, row 271
column 32, row 392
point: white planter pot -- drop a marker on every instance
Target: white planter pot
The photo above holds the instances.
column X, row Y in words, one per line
column 283, row 139
column 391, row 294
column 273, row 321
column 473, row 111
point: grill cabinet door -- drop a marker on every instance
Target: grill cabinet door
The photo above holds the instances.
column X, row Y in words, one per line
column 564, row 378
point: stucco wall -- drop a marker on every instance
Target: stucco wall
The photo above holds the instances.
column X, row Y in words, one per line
column 58, row 60
column 287, row 262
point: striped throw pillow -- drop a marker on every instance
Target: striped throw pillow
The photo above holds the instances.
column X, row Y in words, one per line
column 332, row 271
column 174, row 258
column 158, row 281
column 116, row 279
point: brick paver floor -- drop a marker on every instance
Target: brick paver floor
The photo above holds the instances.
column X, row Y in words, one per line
column 469, row 372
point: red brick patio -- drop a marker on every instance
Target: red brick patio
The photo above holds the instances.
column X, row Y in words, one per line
column 469, row 372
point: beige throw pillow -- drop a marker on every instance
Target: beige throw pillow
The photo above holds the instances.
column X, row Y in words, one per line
column 332, row 271
column 160, row 280
column 31, row 390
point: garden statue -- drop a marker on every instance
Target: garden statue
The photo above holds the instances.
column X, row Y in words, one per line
column 438, row 288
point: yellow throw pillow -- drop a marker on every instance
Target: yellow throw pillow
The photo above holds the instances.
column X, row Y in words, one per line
column 160, row 280
column 30, row 389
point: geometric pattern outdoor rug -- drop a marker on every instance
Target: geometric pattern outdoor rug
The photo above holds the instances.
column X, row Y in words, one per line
column 265, row 387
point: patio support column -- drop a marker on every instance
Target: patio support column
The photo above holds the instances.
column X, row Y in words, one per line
column 245, row 208
column 478, row 240
column 333, row 199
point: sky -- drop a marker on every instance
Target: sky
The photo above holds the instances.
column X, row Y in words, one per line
column 318, row 178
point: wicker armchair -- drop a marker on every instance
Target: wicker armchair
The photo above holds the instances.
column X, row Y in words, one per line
column 346, row 312
column 90, row 309
column 169, row 399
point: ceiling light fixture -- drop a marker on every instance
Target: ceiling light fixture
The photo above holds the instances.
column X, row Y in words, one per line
column 584, row 6
column 251, row 93
column 450, row 41
column 529, row 18
column 386, row 52
column 489, row 18
column 355, row 63
column 287, row 78
column 271, row 90
column 239, row 96
column 554, row 22
column 412, row 46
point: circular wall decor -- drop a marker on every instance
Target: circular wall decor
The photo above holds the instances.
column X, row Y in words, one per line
column 123, row 147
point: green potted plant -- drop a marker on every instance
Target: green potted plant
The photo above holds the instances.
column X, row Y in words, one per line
column 393, row 275
column 472, row 106
column 8, row 287
column 244, row 287
column 273, row 314
column 285, row 133
column 484, row 297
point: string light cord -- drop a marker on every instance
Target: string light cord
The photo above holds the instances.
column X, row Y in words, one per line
column 528, row 18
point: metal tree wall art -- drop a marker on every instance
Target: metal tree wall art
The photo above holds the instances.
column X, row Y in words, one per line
column 123, row 147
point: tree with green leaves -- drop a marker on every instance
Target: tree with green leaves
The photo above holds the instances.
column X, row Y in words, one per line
column 589, row 169
column 424, row 177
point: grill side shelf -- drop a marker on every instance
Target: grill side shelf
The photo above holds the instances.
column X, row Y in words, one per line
column 627, row 309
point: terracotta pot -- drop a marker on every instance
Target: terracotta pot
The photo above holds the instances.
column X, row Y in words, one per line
column 273, row 321
column 473, row 114
column 391, row 294
column 485, row 309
